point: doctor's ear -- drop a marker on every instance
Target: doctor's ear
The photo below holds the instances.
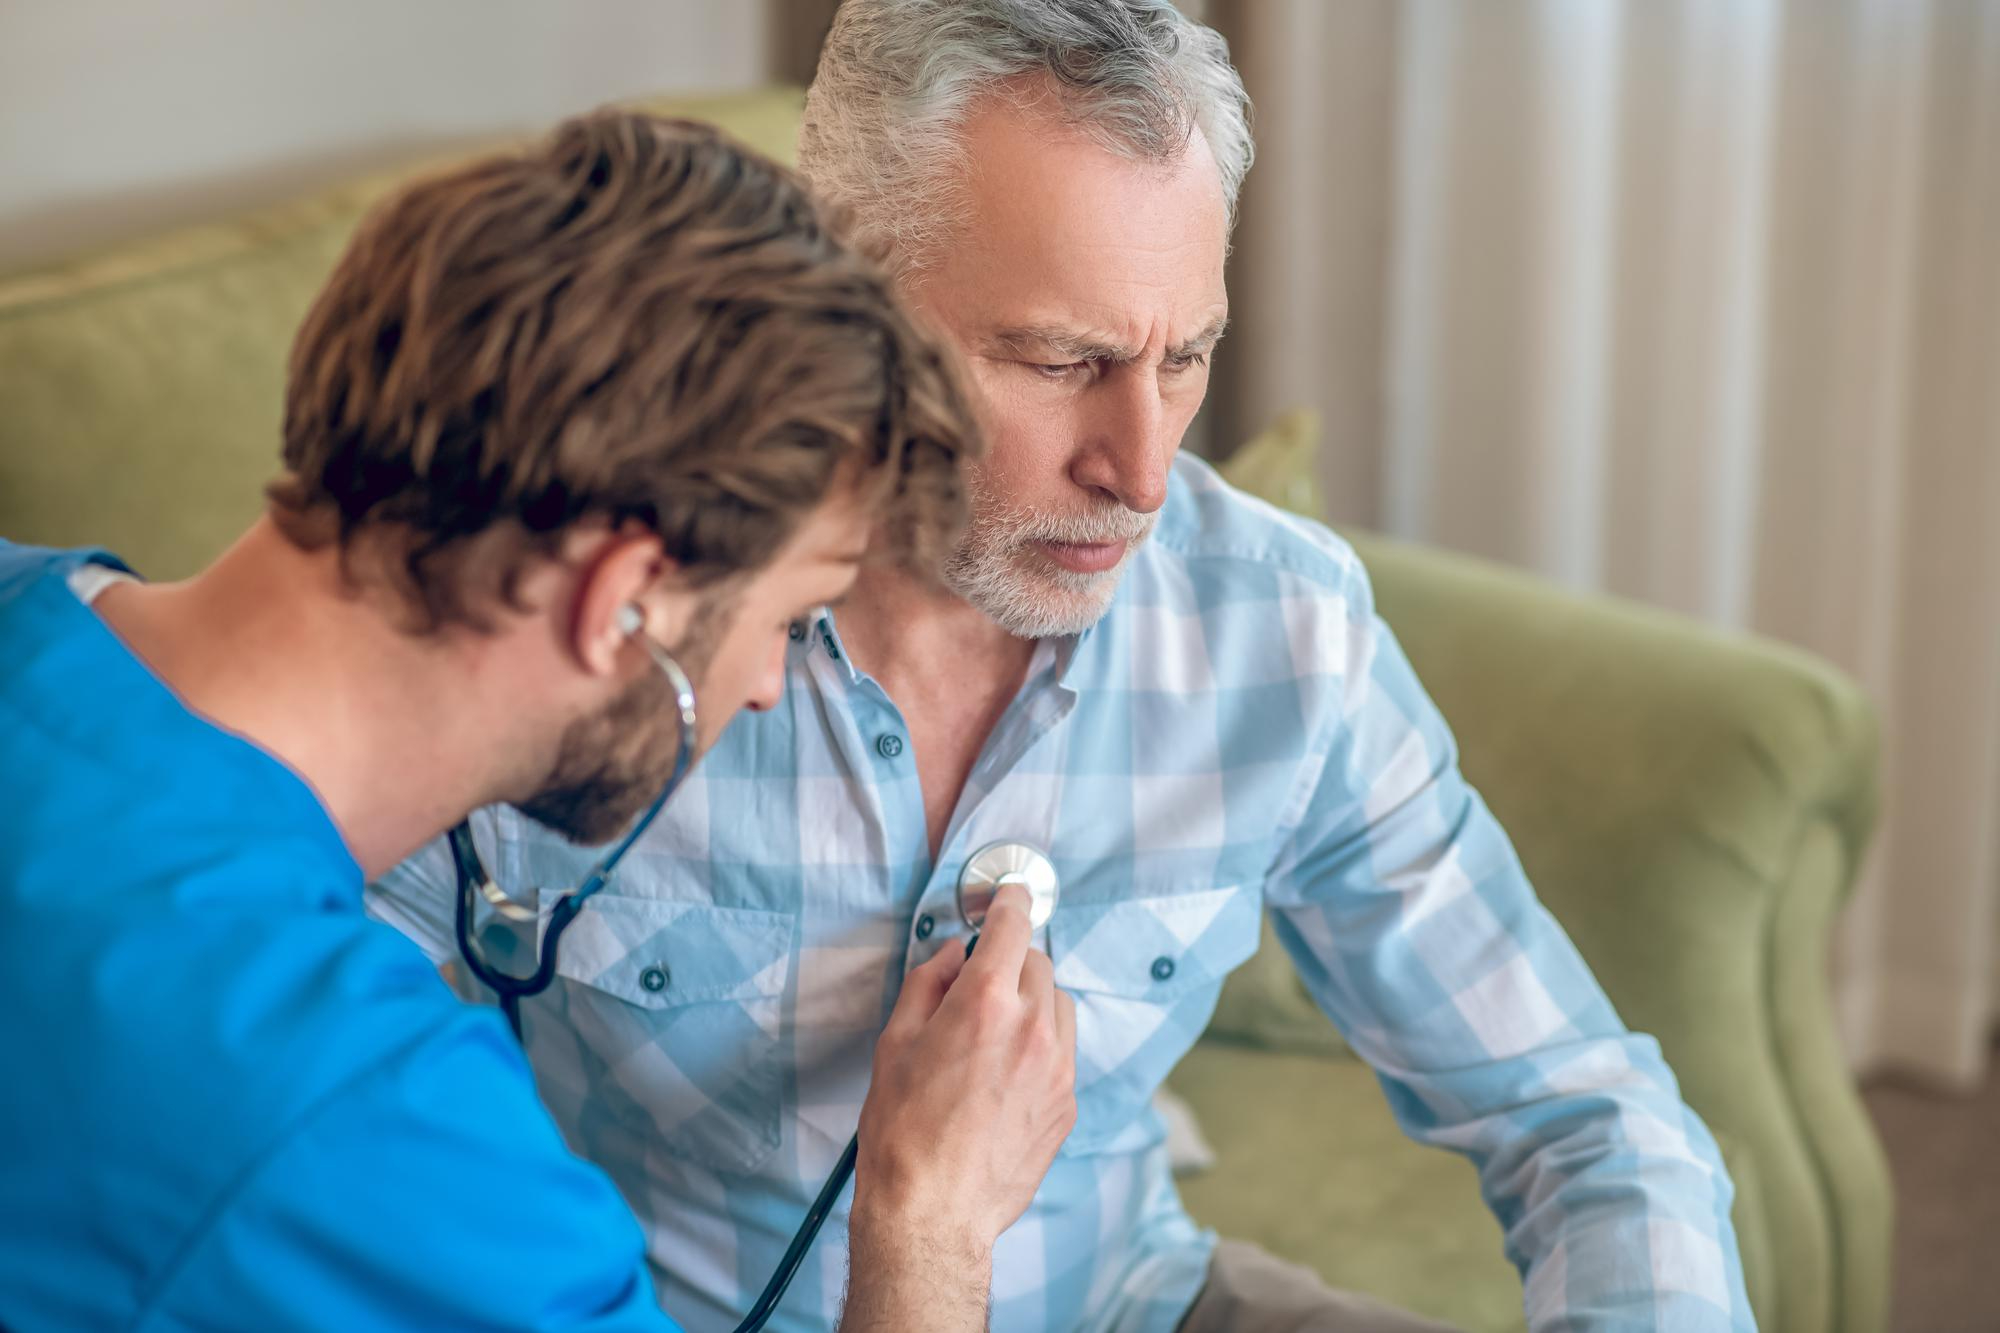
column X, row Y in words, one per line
column 622, row 590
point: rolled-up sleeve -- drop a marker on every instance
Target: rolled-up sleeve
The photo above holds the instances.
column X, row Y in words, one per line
column 1410, row 919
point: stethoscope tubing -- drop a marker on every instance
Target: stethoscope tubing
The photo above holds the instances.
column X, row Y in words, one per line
column 511, row 989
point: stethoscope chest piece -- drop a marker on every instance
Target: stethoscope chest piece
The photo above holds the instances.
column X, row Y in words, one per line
column 1001, row 863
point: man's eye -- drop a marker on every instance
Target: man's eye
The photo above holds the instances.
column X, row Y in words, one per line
column 1056, row 370
column 1181, row 363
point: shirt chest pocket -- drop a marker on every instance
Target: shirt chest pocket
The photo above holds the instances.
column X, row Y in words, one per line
column 1145, row 972
column 675, row 1014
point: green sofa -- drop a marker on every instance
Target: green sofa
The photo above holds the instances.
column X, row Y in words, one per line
column 1692, row 806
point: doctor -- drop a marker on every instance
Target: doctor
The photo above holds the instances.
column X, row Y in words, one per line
column 555, row 415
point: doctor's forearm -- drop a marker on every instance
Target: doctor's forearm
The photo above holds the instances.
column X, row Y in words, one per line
column 901, row 1278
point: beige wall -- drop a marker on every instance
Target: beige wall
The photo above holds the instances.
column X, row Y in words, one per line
column 119, row 117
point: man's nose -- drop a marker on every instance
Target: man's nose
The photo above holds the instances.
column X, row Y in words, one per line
column 1128, row 441
column 770, row 686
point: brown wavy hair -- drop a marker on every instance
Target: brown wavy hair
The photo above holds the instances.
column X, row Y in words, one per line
column 638, row 320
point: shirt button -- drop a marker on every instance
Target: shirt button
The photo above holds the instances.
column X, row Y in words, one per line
column 654, row 979
column 889, row 745
column 925, row 925
column 1163, row 967
column 797, row 631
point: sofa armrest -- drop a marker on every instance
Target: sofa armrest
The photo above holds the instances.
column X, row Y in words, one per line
column 1692, row 807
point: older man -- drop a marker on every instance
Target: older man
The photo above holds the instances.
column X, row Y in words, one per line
column 1183, row 695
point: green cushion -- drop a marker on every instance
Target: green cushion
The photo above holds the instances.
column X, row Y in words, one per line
column 1281, row 464
column 1366, row 1207
column 143, row 387
column 1340, row 1187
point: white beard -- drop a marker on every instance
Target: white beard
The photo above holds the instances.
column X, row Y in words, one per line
column 998, row 569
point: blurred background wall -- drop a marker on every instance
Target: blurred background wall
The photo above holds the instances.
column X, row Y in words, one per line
column 1693, row 301
column 118, row 117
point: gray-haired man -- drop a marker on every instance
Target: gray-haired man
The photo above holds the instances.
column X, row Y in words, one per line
column 1185, row 697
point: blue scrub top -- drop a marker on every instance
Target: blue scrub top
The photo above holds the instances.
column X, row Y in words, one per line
column 231, row 1101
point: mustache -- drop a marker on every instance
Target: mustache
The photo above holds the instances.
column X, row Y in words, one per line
column 1096, row 529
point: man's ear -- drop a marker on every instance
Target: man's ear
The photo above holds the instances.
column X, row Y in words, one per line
column 625, row 571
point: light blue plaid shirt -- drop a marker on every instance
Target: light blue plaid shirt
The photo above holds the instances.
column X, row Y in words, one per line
column 1239, row 734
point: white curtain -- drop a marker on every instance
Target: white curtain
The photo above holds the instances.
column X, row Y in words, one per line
column 1694, row 301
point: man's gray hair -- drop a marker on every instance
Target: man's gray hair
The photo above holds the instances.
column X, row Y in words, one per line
column 881, row 135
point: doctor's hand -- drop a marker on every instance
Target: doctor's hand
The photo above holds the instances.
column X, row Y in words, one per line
column 974, row 1091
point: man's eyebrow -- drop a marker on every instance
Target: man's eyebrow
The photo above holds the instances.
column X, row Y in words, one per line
column 1089, row 345
column 1202, row 343
column 1068, row 344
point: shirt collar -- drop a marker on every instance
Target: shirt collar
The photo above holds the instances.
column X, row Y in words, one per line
column 818, row 634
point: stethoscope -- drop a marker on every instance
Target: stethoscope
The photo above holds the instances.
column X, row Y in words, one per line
column 986, row 872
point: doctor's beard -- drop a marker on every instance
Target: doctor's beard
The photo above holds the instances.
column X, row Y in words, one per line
column 609, row 766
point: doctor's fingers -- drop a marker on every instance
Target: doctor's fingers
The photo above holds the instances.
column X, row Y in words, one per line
column 1048, row 1054
column 1052, row 1013
column 1038, row 977
column 1003, row 941
column 1064, row 1090
column 924, row 989
column 1066, row 1025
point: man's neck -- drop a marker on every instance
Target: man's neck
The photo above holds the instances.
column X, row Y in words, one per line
column 268, row 643
column 950, row 670
column 907, row 633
